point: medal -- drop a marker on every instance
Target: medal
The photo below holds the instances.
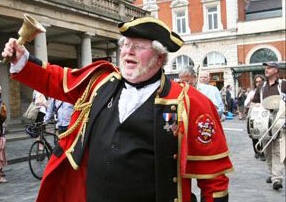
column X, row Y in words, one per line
column 167, row 118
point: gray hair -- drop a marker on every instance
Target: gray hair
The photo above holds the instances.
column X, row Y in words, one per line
column 188, row 70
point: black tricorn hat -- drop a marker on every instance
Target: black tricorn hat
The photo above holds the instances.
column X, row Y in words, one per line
column 152, row 29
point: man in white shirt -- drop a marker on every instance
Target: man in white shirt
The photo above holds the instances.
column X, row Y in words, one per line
column 210, row 91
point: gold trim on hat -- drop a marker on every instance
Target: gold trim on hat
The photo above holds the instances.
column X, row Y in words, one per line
column 153, row 20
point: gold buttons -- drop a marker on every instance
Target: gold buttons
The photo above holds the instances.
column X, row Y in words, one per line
column 175, row 180
column 173, row 107
column 175, row 156
column 112, row 79
column 176, row 200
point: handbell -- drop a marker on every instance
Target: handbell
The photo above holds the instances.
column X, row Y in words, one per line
column 28, row 31
column 30, row 28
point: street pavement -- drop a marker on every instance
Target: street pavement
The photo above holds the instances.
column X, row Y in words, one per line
column 247, row 182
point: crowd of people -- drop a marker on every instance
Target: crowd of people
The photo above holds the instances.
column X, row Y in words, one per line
column 273, row 153
column 242, row 104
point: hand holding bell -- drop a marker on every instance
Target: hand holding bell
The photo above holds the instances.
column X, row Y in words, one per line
column 28, row 31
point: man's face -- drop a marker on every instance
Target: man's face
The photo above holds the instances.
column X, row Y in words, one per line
column 138, row 61
column 190, row 79
column 204, row 78
column 271, row 72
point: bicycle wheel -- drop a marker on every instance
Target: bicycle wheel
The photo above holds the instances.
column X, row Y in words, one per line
column 38, row 158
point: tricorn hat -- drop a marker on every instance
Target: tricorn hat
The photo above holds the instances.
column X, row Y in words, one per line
column 152, row 29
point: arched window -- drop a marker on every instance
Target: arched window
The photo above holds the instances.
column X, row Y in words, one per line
column 214, row 59
column 182, row 61
column 263, row 55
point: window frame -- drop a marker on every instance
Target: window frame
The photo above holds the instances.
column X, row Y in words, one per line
column 206, row 14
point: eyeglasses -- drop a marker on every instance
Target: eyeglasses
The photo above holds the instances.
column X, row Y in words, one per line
column 135, row 47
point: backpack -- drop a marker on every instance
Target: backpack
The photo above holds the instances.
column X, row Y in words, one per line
column 3, row 112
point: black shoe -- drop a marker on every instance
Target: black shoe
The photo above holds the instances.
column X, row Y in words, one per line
column 277, row 186
column 262, row 157
column 268, row 180
column 256, row 155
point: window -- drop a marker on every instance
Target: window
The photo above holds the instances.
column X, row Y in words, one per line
column 181, row 22
column 180, row 17
column 263, row 55
column 212, row 18
column 214, row 59
column 182, row 61
column 256, row 10
column 152, row 7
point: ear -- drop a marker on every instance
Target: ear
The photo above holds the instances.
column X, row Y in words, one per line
column 161, row 58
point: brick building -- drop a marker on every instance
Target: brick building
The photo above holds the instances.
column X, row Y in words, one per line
column 229, row 38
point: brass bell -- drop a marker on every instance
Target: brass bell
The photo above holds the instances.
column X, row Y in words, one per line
column 28, row 31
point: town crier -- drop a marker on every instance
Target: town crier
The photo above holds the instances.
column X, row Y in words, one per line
column 135, row 135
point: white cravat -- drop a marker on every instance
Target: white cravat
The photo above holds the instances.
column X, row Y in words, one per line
column 132, row 98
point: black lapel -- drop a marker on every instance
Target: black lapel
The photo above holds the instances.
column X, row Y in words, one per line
column 104, row 94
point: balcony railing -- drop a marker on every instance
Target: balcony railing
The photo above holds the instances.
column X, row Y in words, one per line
column 114, row 9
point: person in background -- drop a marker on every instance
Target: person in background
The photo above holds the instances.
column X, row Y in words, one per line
column 134, row 135
column 210, row 91
column 223, row 97
column 188, row 75
column 258, row 82
column 60, row 112
column 229, row 98
column 42, row 103
column 241, row 96
column 3, row 160
column 272, row 86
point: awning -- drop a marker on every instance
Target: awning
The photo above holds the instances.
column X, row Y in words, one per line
column 254, row 67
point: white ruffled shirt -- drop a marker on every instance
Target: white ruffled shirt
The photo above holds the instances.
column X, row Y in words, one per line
column 132, row 98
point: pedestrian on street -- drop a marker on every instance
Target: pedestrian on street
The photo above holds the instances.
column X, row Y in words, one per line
column 188, row 75
column 241, row 96
column 135, row 135
column 60, row 112
column 3, row 160
column 272, row 86
column 210, row 91
column 229, row 96
column 258, row 82
column 42, row 103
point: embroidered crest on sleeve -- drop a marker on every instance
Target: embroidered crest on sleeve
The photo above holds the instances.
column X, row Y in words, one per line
column 206, row 128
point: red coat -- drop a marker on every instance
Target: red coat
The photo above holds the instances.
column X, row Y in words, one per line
column 202, row 154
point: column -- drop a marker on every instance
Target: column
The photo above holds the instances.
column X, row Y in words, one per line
column 40, row 48
column 86, row 53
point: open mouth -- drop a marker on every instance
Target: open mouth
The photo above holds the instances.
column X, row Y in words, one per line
column 129, row 61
